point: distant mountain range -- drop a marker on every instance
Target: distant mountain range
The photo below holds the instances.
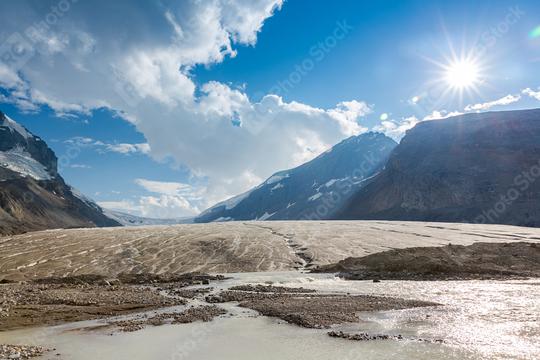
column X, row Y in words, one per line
column 33, row 196
column 314, row 190
column 133, row 220
column 482, row 168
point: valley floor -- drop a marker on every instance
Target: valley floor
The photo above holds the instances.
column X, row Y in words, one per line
column 475, row 320
column 96, row 293
column 229, row 247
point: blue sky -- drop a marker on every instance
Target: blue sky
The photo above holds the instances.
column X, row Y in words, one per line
column 188, row 103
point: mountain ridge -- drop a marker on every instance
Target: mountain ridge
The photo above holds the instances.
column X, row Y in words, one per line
column 313, row 190
column 469, row 168
column 33, row 196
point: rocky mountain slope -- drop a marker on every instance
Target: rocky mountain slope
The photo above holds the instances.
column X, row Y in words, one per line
column 481, row 168
column 33, row 196
column 312, row 191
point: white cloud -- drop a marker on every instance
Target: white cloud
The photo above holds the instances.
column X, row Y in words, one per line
column 157, row 207
column 532, row 93
column 396, row 130
column 169, row 200
column 147, row 79
column 442, row 114
column 166, row 188
column 348, row 113
column 127, row 206
column 164, row 207
column 9, row 77
column 122, row 148
column 507, row 100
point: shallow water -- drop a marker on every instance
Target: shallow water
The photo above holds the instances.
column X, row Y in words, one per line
column 479, row 320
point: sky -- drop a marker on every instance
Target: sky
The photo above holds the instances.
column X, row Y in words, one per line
column 162, row 108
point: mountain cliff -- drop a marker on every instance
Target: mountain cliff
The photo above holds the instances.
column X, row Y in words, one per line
column 481, row 168
column 33, row 196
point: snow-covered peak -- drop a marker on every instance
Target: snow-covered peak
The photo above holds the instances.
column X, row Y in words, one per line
column 315, row 189
column 14, row 126
column 24, row 153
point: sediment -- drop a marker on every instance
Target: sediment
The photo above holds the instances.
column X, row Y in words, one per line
column 53, row 301
column 483, row 261
column 311, row 310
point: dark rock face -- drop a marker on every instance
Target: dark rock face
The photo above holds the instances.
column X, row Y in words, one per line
column 27, row 203
column 314, row 190
column 482, row 168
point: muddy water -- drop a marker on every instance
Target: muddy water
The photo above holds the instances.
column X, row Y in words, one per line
column 479, row 320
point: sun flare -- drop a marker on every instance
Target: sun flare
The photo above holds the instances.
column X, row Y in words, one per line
column 462, row 74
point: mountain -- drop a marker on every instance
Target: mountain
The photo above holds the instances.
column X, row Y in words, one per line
column 33, row 196
column 132, row 220
column 314, row 190
column 480, row 168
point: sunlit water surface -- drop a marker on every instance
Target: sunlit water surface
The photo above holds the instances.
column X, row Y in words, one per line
column 479, row 320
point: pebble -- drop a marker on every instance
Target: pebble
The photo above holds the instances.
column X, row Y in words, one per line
column 16, row 352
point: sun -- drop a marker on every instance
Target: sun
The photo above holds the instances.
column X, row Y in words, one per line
column 462, row 74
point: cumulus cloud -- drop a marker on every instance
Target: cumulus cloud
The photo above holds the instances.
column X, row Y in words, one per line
column 394, row 129
column 507, row 100
column 397, row 129
column 168, row 200
column 143, row 74
column 532, row 93
column 166, row 188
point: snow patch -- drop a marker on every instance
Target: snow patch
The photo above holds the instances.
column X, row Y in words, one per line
column 278, row 186
column 16, row 127
column 275, row 178
column 21, row 162
column 315, row 197
column 330, row 182
column 265, row 216
column 365, row 179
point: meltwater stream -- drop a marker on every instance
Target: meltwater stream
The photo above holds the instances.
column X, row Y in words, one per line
column 478, row 320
